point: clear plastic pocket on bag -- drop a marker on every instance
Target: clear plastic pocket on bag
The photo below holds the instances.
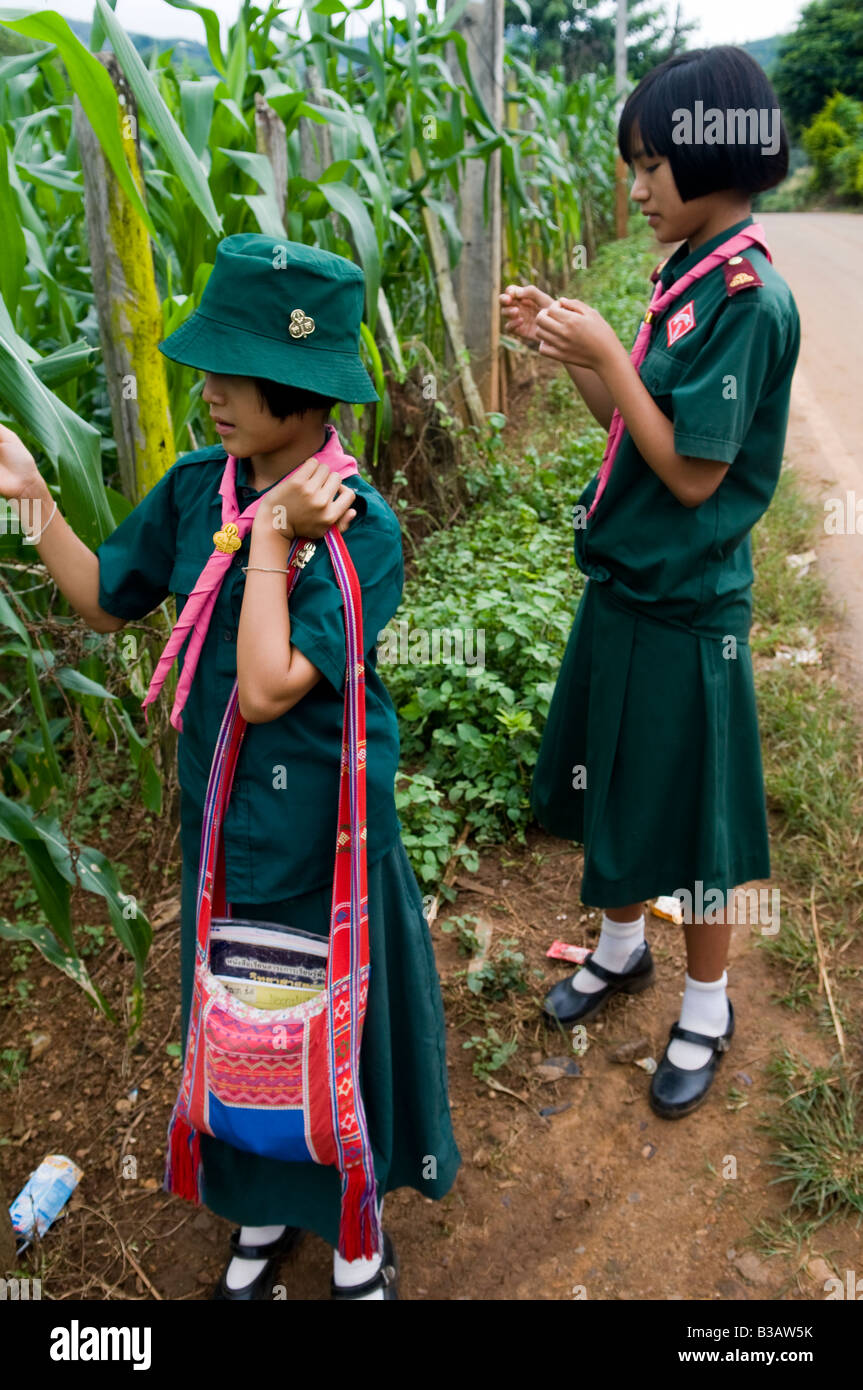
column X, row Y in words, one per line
column 267, row 965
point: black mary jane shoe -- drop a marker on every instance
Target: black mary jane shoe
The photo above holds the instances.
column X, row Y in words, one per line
column 563, row 1004
column 675, row 1092
column 273, row 1252
column 386, row 1278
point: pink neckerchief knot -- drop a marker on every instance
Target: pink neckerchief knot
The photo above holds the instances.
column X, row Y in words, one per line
column 753, row 235
column 198, row 608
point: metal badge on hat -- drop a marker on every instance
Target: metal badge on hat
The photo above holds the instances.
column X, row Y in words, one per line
column 300, row 325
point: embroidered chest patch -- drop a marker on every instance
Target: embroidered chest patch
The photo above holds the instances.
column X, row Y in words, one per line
column 681, row 323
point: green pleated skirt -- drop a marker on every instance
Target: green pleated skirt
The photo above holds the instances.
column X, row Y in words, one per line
column 403, row 1075
column 651, row 757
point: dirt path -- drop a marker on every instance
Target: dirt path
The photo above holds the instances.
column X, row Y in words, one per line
column 598, row 1199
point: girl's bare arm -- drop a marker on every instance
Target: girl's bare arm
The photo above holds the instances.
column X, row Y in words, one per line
column 71, row 564
column 593, row 392
column 273, row 675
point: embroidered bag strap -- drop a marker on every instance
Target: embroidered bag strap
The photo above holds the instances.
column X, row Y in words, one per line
column 348, row 956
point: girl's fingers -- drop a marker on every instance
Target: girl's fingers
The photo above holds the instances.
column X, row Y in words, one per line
column 306, row 470
column 339, row 505
column 563, row 309
column 320, row 475
column 555, row 339
column 329, row 487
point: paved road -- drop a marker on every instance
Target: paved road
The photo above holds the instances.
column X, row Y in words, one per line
column 820, row 254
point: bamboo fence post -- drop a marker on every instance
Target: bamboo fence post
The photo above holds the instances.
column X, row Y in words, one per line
column 272, row 141
column 449, row 306
column 312, row 165
column 316, row 155
column 476, row 278
column 127, row 300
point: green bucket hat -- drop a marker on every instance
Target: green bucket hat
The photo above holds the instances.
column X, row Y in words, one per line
column 281, row 310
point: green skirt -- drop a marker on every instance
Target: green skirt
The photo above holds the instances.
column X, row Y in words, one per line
column 403, row 1075
column 651, row 758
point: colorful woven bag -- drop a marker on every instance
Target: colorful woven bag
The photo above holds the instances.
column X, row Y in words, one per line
column 285, row 1083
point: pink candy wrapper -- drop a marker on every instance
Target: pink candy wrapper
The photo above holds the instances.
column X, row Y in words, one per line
column 560, row 950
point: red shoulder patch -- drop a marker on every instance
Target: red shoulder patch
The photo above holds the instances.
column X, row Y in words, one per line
column 740, row 274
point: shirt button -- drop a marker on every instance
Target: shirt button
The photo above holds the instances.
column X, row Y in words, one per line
column 228, row 634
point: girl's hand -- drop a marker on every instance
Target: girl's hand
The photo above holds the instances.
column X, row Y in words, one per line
column 520, row 305
column 570, row 331
column 305, row 503
column 19, row 476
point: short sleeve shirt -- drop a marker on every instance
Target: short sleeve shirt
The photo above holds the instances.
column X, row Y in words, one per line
column 281, row 821
column 725, row 384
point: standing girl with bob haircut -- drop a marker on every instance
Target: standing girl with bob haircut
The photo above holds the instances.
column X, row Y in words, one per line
column 651, row 756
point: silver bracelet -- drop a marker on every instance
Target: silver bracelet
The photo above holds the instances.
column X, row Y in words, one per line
column 268, row 568
column 34, row 540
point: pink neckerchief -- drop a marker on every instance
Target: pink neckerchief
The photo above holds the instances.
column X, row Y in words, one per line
column 753, row 235
column 199, row 606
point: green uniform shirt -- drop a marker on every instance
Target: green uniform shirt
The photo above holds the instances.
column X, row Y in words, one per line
column 280, row 826
column 726, row 385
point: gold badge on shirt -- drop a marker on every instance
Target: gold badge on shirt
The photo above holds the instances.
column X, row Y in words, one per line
column 227, row 540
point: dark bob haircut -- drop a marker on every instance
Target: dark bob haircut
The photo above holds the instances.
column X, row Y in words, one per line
column 731, row 91
column 282, row 400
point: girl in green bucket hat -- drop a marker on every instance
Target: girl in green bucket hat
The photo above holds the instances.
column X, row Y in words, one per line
column 277, row 337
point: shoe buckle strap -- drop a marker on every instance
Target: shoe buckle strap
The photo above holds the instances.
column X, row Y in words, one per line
column 610, row 976
column 720, row 1044
column 600, row 971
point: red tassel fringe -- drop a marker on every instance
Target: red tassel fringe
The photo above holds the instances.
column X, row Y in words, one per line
column 359, row 1229
column 183, row 1162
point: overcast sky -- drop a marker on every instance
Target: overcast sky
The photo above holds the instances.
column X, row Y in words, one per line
column 721, row 21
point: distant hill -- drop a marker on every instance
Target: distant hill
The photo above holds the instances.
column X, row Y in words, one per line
column 196, row 53
column 764, row 51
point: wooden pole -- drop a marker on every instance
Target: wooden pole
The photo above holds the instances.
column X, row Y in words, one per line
column 476, row 278
column 313, row 162
column 271, row 140
column 622, row 199
column 127, row 300
column 449, row 307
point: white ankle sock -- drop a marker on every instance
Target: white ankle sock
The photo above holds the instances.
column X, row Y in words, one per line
column 242, row 1272
column 348, row 1273
column 617, row 941
column 704, row 1010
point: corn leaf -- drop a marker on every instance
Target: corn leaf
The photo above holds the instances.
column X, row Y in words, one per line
column 175, row 146
column 94, row 90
